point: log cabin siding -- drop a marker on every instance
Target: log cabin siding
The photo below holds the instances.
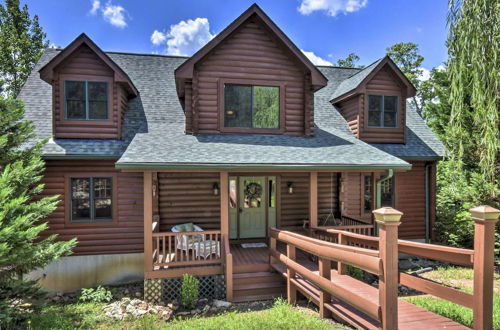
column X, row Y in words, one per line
column 294, row 208
column 188, row 197
column 384, row 82
column 410, row 199
column 250, row 55
column 352, row 189
column 350, row 110
column 84, row 64
column 123, row 235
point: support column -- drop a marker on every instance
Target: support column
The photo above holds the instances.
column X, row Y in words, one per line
column 388, row 220
column 291, row 290
column 224, row 203
column 148, row 222
column 313, row 199
column 485, row 218
column 325, row 270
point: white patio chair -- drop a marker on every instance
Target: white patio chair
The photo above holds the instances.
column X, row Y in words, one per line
column 201, row 246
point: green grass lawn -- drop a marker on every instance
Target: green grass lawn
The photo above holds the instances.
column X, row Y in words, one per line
column 91, row 316
column 459, row 278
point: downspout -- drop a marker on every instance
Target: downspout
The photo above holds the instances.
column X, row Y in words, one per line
column 427, row 202
column 378, row 203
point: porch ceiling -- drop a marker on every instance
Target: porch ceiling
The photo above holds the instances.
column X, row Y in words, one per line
column 167, row 146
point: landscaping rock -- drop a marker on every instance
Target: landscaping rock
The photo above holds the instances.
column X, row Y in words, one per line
column 135, row 308
column 221, row 304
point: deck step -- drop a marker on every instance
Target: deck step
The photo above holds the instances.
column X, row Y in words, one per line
column 255, row 286
column 256, row 277
column 257, row 297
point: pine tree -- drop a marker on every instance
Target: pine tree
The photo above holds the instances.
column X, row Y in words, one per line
column 22, row 41
column 21, row 214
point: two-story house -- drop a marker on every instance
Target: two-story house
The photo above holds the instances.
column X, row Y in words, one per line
column 244, row 135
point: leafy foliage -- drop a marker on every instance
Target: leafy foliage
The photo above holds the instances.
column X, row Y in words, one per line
column 96, row 295
column 21, row 248
column 22, row 41
column 266, row 103
column 349, row 62
column 407, row 58
column 474, row 69
column 190, row 291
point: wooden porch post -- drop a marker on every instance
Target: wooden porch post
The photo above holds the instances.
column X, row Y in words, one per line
column 291, row 290
column 148, row 222
column 388, row 220
column 325, row 270
column 224, row 203
column 485, row 218
column 313, row 199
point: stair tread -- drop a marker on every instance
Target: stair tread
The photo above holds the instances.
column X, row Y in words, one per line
column 256, row 274
column 255, row 297
column 259, row 285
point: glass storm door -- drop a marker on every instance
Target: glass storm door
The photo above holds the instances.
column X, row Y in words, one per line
column 252, row 207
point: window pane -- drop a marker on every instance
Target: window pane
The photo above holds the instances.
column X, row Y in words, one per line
column 368, row 193
column 232, row 193
column 390, row 111
column 390, row 119
column 75, row 99
column 266, row 105
column 98, row 110
column 387, row 190
column 98, row 91
column 80, row 199
column 102, row 187
column 102, row 208
column 272, row 193
column 374, row 110
column 237, row 106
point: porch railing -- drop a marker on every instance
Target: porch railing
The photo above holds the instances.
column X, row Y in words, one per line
column 187, row 249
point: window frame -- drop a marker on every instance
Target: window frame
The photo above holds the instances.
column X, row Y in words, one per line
column 363, row 193
column 248, row 82
column 393, row 188
column 382, row 112
column 69, row 202
column 85, row 122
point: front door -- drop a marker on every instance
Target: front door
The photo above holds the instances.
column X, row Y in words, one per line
column 252, row 206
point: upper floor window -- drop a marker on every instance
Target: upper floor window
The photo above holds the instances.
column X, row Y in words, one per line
column 251, row 106
column 86, row 100
column 91, row 199
column 382, row 111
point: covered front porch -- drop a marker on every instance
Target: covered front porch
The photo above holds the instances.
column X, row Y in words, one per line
column 196, row 222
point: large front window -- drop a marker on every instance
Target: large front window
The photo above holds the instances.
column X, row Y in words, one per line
column 251, row 106
column 86, row 100
column 91, row 199
column 382, row 111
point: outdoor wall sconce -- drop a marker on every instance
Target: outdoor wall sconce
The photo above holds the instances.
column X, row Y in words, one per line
column 216, row 189
column 290, row 187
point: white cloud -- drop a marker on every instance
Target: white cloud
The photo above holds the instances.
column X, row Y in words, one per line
column 332, row 7
column 186, row 37
column 316, row 59
column 424, row 74
column 96, row 4
column 115, row 15
column 158, row 37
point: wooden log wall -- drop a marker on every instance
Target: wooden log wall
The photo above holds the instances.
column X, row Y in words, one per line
column 188, row 197
column 250, row 54
column 84, row 64
column 123, row 235
column 294, row 207
column 327, row 194
column 351, row 110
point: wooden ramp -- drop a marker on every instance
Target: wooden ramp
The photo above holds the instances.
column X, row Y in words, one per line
column 409, row 316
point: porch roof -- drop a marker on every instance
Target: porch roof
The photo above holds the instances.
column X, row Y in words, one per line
column 167, row 146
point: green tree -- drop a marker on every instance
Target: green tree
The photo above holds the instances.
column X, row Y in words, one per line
column 407, row 58
column 474, row 71
column 21, row 211
column 349, row 62
column 22, row 41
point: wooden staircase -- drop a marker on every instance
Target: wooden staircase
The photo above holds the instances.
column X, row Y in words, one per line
column 261, row 285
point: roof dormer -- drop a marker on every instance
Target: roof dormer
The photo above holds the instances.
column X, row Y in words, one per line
column 90, row 92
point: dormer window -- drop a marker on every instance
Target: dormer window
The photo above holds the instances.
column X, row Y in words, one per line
column 382, row 111
column 248, row 106
column 86, row 100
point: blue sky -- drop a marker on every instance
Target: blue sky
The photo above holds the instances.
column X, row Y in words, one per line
column 330, row 29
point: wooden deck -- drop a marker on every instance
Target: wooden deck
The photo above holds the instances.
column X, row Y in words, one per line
column 410, row 316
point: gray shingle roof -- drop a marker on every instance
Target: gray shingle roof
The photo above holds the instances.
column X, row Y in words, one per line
column 353, row 81
column 154, row 123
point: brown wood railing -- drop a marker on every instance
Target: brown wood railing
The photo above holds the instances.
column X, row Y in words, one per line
column 228, row 268
column 326, row 252
column 351, row 224
column 186, row 248
column 480, row 259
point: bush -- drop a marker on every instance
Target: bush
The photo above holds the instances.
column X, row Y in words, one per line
column 189, row 291
column 96, row 295
column 355, row 272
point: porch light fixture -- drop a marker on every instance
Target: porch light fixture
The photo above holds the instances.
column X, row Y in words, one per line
column 290, row 187
column 216, row 189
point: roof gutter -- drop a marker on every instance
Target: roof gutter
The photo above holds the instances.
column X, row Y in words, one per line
column 215, row 166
